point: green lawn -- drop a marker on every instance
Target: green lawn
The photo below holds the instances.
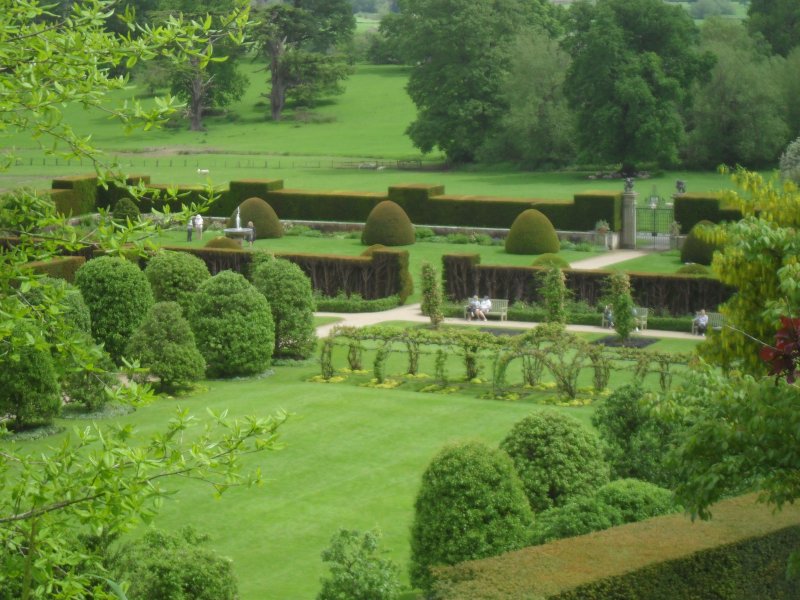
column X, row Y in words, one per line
column 353, row 457
column 655, row 262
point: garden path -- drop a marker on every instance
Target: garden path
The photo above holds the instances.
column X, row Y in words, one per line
column 412, row 312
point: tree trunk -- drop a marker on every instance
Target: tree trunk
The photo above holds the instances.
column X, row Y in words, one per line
column 277, row 94
column 197, row 90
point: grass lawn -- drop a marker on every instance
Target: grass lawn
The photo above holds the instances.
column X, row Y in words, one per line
column 418, row 253
column 655, row 262
column 353, row 457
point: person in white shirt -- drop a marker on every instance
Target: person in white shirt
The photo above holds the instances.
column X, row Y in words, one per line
column 485, row 306
column 198, row 226
column 701, row 322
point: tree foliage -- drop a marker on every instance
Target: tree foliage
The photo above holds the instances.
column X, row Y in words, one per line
column 633, row 65
column 431, row 294
column 778, row 21
column 356, row 570
column 556, row 458
column 619, row 290
column 554, row 294
column 790, row 162
column 470, row 505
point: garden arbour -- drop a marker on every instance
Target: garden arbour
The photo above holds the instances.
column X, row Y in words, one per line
column 545, row 350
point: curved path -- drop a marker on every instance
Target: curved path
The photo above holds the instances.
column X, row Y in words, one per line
column 412, row 313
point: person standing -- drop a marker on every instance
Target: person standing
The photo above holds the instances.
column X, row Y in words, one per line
column 189, row 229
column 198, row 226
column 251, row 236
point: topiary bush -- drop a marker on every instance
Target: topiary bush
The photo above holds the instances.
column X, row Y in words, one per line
column 388, row 224
column 232, row 325
column 291, row 301
column 548, row 259
column 51, row 291
column 118, row 296
column 175, row 277
column 619, row 291
column 556, row 457
column 693, row 269
column 532, row 233
column 164, row 344
column 637, row 500
column 29, row 390
column 88, row 387
column 470, row 505
column 432, row 300
column 224, row 243
column 125, row 209
column 697, row 250
column 371, row 250
column 168, row 566
column 265, row 222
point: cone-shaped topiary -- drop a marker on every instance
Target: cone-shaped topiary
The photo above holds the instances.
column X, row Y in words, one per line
column 224, row 243
column 125, row 208
column 696, row 250
column 265, row 221
column 532, row 233
column 388, row 224
column 548, row 259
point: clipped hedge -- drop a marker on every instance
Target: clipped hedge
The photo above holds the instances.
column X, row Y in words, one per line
column 678, row 295
column 690, row 209
column 83, row 198
column 532, row 233
column 388, row 224
column 266, row 223
column 697, row 250
column 63, row 267
column 741, row 554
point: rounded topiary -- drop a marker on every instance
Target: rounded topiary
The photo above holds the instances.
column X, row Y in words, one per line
column 579, row 516
column 388, row 224
column 470, row 505
column 637, row 500
column 291, row 301
column 371, row 250
column 175, row 277
column 29, row 390
column 548, row 259
column 224, row 243
column 265, row 222
column 164, row 343
column 696, row 250
column 124, row 209
column 532, row 233
column 51, row 290
column 232, row 325
column 161, row 566
column 556, row 457
column 118, row 296
column 693, row 269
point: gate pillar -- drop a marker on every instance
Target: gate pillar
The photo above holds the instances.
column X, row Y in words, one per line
column 628, row 237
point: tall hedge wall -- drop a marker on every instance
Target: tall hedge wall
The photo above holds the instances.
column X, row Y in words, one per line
column 692, row 208
column 741, row 554
column 83, row 196
column 63, row 267
column 677, row 294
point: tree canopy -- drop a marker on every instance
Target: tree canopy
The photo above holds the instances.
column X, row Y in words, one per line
column 778, row 21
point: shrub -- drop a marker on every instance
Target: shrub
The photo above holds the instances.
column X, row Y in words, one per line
column 291, row 301
column 354, row 303
column 356, row 570
column 266, row 223
column 790, row 162
column 577, row 517
column 423, row 233
column 29, row 391
column 619, row 285
column 50, row 291
column 175, row 277
column 556, row 458
column 164, row 343
column 388, row 224
column 470, row 505
column 126, row 209
column 167, row 566
column 693, row 269
column 233, row 326
column 89, row 387
column 637, row 500
column 224, row 243
column 532, row 233
column 431, row 294
column 548, row 259
column 118, row 296
column 697, row 250
column 371, row 250
column 554, row 294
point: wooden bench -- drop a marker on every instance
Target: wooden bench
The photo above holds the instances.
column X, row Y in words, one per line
column 639, row 317
column 715, row 321
column 499, row 309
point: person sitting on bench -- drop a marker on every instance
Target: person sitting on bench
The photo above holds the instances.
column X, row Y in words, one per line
column 485, row 307
column 701, row 322
column 474, row 308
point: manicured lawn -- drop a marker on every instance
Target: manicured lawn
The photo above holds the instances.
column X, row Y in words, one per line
column 655, row 262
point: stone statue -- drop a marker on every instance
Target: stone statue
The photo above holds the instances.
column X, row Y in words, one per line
column 680, row 186
column 629, row 184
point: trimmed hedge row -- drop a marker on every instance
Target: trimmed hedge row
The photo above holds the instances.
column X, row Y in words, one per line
column 676, row 294
column 693, row 208
column 76, row 195
column 741, row 554
column 61, row 268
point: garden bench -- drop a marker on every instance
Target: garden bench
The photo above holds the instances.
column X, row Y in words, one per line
column 499, row 309
column 715, row 321
column 639, row 316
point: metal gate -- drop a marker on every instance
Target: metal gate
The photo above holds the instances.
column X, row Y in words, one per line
column 653, row 225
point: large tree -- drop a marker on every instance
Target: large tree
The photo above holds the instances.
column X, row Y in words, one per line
column 778, row 21
column 633, row 65
column 97, row 483
column 461, row 52
column 298, row 39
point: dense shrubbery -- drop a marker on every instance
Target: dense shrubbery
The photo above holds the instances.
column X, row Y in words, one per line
column 164, row 344
column 224, row 243
column 697, row 250
column 118, row 296
column 532, row 233
column 790, row 162
column 168, row 566
column 126, row 209
column 29, row 390
column 431, row 305
column 291, row 301
column 355, row 303
column 693, row 269
column 470, row 505
column 233, row 326
column 265, row 222
column 175, row 277
column 556, row 458
column 371, row 250
column 548, row 259
column 388, row 224
column 70, row 302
